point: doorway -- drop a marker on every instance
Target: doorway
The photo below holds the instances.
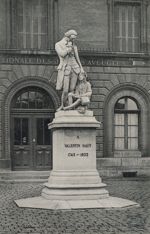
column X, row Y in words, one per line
column 31, row 142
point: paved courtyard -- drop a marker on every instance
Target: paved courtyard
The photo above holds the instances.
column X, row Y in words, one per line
column 14, row 220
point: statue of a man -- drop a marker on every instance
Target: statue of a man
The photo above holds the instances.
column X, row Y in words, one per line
column 69, row 67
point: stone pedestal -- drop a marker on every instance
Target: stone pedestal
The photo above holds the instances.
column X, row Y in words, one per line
column 74, row 182
column 74, row 174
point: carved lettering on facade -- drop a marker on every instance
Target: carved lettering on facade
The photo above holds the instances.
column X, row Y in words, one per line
column 106, row 62
column 28, row 60
column 53, row 60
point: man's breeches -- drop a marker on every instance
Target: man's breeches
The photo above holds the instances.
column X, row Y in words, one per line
column 70, row 79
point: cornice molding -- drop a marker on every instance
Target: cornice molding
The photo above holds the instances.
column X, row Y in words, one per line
column 88, row 58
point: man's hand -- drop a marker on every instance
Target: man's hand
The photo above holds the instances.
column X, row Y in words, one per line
column 69, row 50
column 82, row 71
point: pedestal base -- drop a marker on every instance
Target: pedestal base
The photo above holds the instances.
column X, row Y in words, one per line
column 74, row 185
column 104, row 203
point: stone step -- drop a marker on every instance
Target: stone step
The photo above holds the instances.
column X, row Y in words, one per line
column 13, row 181
column 24, row 176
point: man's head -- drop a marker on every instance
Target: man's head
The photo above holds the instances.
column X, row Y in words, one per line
column 71, row 34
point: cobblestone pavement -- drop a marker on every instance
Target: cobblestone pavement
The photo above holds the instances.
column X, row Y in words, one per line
column 15, row 220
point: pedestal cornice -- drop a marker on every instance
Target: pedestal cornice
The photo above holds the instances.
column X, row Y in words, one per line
column 74, row 119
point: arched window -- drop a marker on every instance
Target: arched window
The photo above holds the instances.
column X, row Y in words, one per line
column 126, row 124
column 32, row 98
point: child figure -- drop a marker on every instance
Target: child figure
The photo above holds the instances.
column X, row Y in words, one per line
column 81, row 96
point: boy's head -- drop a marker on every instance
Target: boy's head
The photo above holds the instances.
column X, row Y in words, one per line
column 82, row 76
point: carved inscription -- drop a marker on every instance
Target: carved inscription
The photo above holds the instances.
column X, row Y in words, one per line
column 53, row 60
column 106, row 62
column 75, row 146
column 29, row 59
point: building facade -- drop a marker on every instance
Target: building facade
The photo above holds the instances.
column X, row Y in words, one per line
column 114, row 44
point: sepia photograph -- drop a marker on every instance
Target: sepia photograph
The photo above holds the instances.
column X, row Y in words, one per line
column 74, row 116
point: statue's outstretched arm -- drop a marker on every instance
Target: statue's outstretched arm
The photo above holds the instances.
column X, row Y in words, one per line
column 77, row 58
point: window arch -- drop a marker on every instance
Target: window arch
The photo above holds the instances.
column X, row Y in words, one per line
column 126, row 124
column 32, row 98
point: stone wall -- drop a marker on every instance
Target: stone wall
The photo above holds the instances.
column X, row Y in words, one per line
column 5, row 72
column 148, row 26
column 10, row 76
column 4, row 17
column 89, row 18
column 103, row 79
